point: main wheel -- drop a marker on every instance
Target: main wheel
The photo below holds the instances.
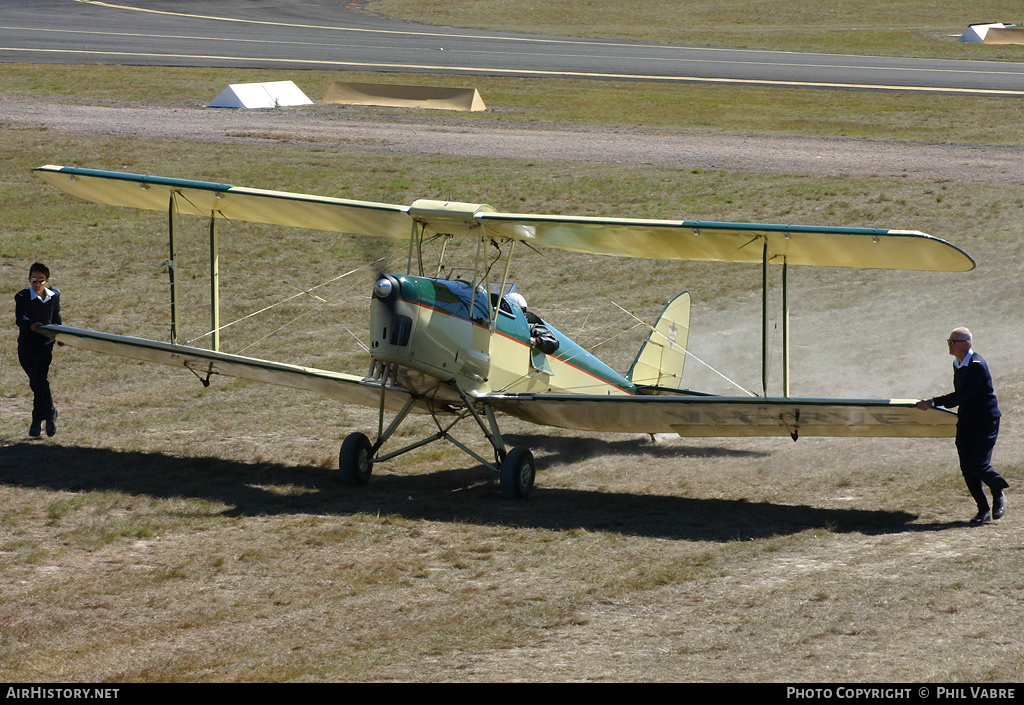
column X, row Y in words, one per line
column 517, row 473
column 356, row 460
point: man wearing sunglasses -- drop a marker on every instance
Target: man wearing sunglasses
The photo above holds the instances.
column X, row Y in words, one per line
column 977, row 425
column 38, row 305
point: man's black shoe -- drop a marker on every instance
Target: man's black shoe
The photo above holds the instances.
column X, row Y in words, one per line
column 51, row 424
column 35, row 429
column 981, row 518
column 999, row 507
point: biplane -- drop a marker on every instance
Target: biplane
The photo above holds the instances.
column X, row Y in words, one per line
column 460, row 349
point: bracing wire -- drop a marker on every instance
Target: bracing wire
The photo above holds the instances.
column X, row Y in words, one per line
column 685, row 351
column 302, row 292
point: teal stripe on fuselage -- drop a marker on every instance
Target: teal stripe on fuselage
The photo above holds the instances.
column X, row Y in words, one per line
column 574, row 354
column 570, row 352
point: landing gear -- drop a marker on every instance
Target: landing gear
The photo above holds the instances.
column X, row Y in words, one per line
column 356, row 460
column 516, row 468
column 517, row 473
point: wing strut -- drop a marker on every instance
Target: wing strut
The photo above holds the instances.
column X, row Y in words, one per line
column 172, row 216
column 764, row 323
column 764, row 319
column 171, row 264
column 785, row 328
column 214, row 286
column 172, row 213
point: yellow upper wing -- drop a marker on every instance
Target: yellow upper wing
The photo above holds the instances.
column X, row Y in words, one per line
column 231, row 202
column 821, row 246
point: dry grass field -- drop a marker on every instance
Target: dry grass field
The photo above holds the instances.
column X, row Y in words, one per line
column 175, row 533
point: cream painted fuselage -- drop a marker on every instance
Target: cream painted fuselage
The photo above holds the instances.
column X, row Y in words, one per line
column 441, row 333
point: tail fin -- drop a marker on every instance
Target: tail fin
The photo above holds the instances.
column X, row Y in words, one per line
column 660, row 360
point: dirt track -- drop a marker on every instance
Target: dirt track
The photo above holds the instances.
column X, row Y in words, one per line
column 328, row 128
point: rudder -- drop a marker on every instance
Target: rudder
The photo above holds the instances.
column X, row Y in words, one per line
column 660, row 360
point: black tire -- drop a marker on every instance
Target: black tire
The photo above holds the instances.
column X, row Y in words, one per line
column 356, row 460
column 518, row 471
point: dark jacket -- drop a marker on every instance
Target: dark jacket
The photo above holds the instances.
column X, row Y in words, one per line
column 546, row 341
column 973, row 393
column 28, row 310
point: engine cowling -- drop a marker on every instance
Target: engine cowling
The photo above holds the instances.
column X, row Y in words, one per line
column 437, row 326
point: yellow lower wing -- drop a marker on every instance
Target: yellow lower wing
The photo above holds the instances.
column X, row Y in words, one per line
column 686, row 415
column 711, row 416
column 333, row 385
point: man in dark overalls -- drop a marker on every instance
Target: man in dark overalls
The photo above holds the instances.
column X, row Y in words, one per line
column 38, row 305
column 977, row 425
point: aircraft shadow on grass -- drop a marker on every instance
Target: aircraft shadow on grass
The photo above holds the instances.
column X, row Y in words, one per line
column 465, row 495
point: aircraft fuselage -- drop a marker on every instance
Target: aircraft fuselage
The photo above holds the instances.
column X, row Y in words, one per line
column 447, row 330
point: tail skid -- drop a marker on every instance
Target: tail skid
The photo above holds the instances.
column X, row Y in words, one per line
column 660, row 360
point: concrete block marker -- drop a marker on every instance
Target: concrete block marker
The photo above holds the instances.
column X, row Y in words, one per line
column 276, row 94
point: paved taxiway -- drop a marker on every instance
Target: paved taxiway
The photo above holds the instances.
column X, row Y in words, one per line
column 325, row 34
